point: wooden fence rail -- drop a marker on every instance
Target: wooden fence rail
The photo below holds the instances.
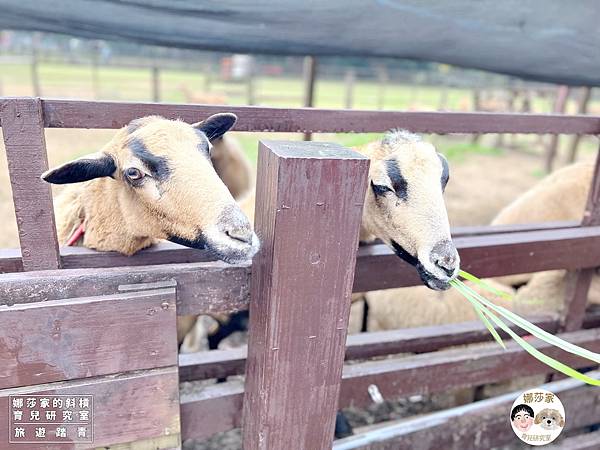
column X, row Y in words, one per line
column 299, row 285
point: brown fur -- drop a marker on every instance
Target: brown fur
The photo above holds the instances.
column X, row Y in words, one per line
column 553, row 414
column 118, row 216
column 232, row 166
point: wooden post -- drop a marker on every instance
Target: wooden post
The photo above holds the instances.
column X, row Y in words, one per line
column 349, row 83
column 562, row 95
column 476, row 107
column 309, row 72
column 586, row 94
column 207, row 77
column 23, row 129
column 309, row 205
column 382, row 78
column 95, row 76
column 251, row 100
column 155, row 84
column 578, row 282
column 35, row 75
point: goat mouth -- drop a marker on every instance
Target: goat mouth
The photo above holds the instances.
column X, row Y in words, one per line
column 221, row 246
column 429, row 279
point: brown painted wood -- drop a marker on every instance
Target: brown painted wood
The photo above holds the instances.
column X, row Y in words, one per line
column 309, row 76
column 86, row 337
column 170, row 253
column 562, row 97
column 478, row 426
column 215, row 408
column 127, row 407
column 224, row 363
column 212, row 287
column 486, row 256
column 310, row 198
column 447, row 369
column 582, row 106
column 209, row 287
column 23, row 130
column 402, row 377
column 84, row 114
column 579, row 281
column 586, row 441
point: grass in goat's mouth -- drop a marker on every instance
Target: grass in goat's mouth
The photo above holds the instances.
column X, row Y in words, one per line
column 491, row 314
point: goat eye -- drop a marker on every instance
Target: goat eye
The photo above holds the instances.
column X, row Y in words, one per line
column 134, row 174
column 380, row 189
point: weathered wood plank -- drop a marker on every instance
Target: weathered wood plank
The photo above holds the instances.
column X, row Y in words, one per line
column 85, row 114
column 23, row 130
column 224, row 363
column 421, row 374
column 311, row 197
column 212, row 287
column 127, row 407
column 202, row 287
column 443, row 370
column 486, row 256
column 170, row 253
column 586, row 441
column 579, row 281
column 478, row 426
column 86, row 337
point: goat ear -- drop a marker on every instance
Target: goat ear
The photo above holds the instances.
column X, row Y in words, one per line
column 216, row 125
column 86, row 168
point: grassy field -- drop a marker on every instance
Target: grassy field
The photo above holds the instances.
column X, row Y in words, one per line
column 61, row 80
column 480, row 165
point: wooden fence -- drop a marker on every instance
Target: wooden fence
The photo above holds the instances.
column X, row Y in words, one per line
column 84, row 302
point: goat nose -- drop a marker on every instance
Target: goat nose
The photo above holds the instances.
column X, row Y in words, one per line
column 444, row 256
column 240, row 233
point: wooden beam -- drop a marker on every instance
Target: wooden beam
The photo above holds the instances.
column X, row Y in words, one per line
column 84, row 114
column 170, row 253
column 23, row 130
column 578, row 282
column 479, row 426
column 128, row 407
column 211, row 287
column 427, row 373
column 224, row 363
column 582, row 106
column 310, row 198
column 560, row 104
column 309, row 75
column 86, row 337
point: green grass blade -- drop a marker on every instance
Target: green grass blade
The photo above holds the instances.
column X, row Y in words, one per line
column 478, row 309
column 483, row 284
column 533, row 329
column 556, row 365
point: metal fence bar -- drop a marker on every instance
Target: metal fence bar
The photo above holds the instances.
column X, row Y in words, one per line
column 310, row 204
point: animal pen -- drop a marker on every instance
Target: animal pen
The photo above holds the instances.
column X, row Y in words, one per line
column 75, row 321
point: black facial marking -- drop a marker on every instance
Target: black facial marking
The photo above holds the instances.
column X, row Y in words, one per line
column 379, row 189
column 445, row 171
column 403, row 254
column 198, row 242
column 157, row 165
column 82, row 170
column 398, row 182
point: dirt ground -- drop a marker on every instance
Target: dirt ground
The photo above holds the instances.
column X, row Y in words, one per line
column 480, row 184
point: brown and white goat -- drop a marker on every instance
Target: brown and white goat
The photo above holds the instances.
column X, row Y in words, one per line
column 154, row 180
column 404, row 207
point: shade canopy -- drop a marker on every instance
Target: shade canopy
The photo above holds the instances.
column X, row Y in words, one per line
column 545, row 40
